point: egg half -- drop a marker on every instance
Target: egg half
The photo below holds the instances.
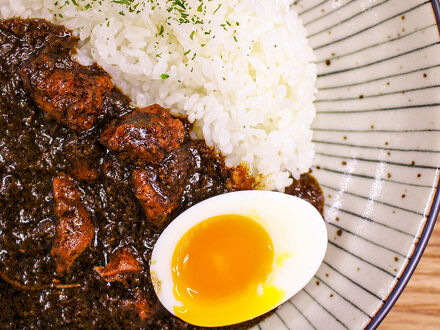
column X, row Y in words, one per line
column 236, row 256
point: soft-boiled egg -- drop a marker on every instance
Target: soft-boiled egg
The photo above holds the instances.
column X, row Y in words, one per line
column 236, row 256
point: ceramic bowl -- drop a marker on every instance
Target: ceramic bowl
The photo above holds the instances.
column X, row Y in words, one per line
column 377, row 156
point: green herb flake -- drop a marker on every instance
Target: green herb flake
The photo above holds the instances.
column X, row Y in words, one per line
column 122, row 2
column 180, row 11
column 217, row 9
column 180, row 3
column 164, row 76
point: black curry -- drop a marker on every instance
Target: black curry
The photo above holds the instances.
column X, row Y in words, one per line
column 87, row 184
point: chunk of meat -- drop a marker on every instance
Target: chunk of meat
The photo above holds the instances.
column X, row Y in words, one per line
column 156, row 201
column 308, row 188
column 67, row 92
column 208, row 174
column 160, row 190
column 145, row 308
column 84, row 155
column 84, row 170
column 121, row 264
column 147, row 134
column 173, row 172
column 81, row 147
column 74, row 230
column 115, row 173
column 240, row 179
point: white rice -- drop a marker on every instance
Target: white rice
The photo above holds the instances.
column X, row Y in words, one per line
column 244, row 76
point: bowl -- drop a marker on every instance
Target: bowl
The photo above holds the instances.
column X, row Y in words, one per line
column 377, row 156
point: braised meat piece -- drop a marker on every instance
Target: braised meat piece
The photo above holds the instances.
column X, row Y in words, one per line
column 75, row 147
column 239, row 179
column 84, row 156
column 160, row 190
column 173, row 171
column 115, row 173
column 147, row 134
column 155, row 199
column 75, row 230
column 66, row 91
column 144, row 307
column 121, row 264
column 208, row 175
column 308, row 188
column 84, row 170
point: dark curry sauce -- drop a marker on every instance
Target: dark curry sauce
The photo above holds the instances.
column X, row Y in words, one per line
column 84, row 195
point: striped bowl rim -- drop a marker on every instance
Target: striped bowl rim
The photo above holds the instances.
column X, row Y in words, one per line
column 421, row 245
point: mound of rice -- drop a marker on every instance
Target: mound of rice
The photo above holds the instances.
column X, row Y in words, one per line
column 240, row 70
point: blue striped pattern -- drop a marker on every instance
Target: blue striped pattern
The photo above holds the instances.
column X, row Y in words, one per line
column 377, row 138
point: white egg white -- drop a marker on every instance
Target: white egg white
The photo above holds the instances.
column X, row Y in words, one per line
column 297, row 230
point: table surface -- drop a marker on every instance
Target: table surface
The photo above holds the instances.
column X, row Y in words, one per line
column 419, row 305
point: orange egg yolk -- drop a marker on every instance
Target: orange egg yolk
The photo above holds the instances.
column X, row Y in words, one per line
column 221, row 272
